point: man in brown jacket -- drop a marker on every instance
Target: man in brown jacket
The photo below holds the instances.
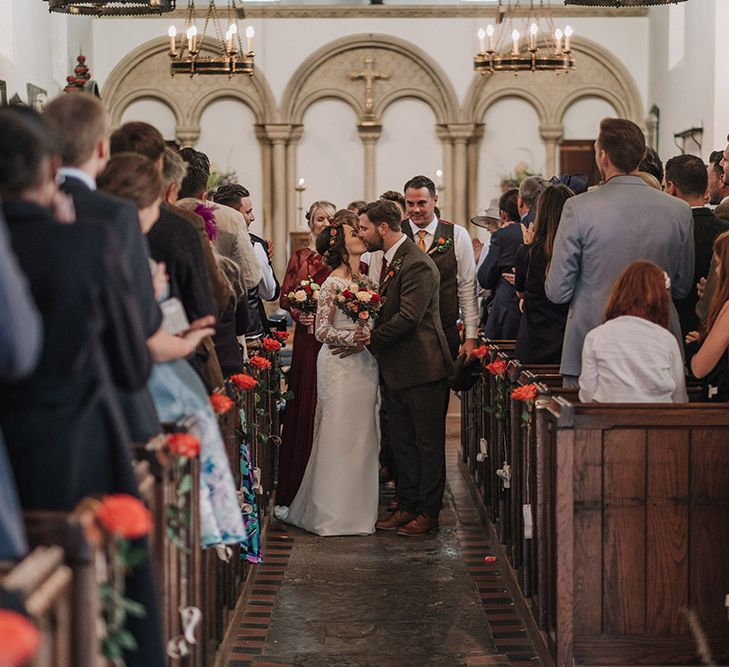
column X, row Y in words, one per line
column 415, row 362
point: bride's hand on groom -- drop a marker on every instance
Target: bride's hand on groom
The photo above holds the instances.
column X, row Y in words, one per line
column 346, row 351
column 362, row 336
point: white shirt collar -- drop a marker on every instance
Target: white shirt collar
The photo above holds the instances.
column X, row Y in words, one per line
column 391, row 252
column 430, row 229
column 72, row 172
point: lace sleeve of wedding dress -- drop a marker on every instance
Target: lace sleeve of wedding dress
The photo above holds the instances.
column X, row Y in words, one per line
column 325, row 330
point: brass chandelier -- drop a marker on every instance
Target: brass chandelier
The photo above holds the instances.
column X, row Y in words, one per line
column 111, row 7
column 621, row 3
column 230, row 57
column 528, row 44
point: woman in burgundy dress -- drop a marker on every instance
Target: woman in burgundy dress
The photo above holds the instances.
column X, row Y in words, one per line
column 298, row 423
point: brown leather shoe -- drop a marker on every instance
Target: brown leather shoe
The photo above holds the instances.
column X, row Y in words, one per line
column 422, row 524
column 395, row 520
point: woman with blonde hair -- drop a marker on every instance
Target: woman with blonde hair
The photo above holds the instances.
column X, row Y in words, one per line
column 298, row 424
column 633, row 357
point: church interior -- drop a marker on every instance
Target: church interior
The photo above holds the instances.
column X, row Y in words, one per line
column 572, row 531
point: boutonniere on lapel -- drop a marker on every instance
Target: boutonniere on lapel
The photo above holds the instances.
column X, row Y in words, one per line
column 441, row 245
column 391, row 272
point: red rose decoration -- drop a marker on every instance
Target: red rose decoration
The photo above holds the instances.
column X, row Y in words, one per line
column 496, row 368
column 184, row 444
column 528, row 392
column 282, row 335
column 376, row 298
column 221, row 403
column 347, row 294
column 124, row 516
column 480, row 352
column 19, row 639
column 261, row 363
column 271, row 344
column 243, row 381
column 307, row 289
column 441, row 241
column 490, row 559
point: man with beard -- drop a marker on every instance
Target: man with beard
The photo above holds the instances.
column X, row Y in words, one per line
column 603, row 231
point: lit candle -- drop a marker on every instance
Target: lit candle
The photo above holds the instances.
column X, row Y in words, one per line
column 439, row 177
column 249, row 38
column 481, row 37
column 567, row 35
column 533, row 30
column 228, row 41
column 558, row 40
column 172, row 32
column 301, row 183
column 192, row 39
column 490, row 34
column 515, row 39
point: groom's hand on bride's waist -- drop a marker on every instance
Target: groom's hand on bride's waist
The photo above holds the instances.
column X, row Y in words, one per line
column 345, row 351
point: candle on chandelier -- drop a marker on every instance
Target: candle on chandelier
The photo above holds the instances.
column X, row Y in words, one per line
column 558, row 40
column 249, row 38
column 515, row 39
column 490, row 35
column 192, row 39
column 230, row 36
column 300, row 186
column 567, row 35
column 172, row 32
column 533, row 30
column 481, row 37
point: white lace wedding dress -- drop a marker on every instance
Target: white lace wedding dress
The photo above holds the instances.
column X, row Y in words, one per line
column 339, row 492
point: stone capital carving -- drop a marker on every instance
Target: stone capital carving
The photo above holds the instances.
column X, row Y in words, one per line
column 551, row 131
column 187, row 135
column 460, row 133
column 297, row 131
column 278, row 133
column 369, row 132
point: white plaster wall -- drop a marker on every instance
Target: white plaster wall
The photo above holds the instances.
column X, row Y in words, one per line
column 582, row 119
column 330, row 155
column 511, row 137
column 227, row 137
column 721, row 89
column 153, row 112
column 408, row 146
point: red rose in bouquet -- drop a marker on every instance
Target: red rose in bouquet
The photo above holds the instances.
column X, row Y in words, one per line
column 259, row 362
column 528, row 392
column 124, row 516
column 19, row 639
column 480, row 352
column 184, row 444
column 496, row 367
column 243, row 381
column 221, row 403
column 359, row 302
column 271, row 344
column 282, row 335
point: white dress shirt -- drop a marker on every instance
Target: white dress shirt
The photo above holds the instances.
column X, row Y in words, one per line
column 267, row 286
column 72, row 172
column 391, row 252
column 632, row 360
column 466, row 277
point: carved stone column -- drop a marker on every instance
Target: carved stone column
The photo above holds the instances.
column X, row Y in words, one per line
column 445, row 200
column 551, row 135
column 266, row 197
column 473, row 151
column 369, row 132
column 461, row 134
column 278, row 136
column 187, row 135
column 297, row 132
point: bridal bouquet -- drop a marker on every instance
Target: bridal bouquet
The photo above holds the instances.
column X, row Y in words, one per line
column 360, row 303
column 305, row 297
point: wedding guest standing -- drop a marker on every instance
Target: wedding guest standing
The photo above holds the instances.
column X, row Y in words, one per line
column 633, row 357
column 541, row 330
column 298, row 423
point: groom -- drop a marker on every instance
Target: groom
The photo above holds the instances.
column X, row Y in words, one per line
column 412, row 351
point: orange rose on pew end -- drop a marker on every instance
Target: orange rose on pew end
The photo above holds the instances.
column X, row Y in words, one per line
column 480, row 352
column 19, row 639
column 184, row 444
column 271, row 344
column 124, row 516
column 221, row 403
column 528, row 392
column 261, row 363
column 282, row 335
column 243, row 381
column 497, row 367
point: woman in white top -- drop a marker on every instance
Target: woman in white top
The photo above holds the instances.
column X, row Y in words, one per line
column 633, row 357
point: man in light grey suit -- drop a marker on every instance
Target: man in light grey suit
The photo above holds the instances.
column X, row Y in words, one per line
column 605, row 230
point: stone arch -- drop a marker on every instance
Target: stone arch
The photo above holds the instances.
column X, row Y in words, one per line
column 598, row 73
column 411, row 72
column 145, row 72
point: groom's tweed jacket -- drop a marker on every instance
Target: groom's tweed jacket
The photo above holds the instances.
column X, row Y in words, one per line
column 408, row 339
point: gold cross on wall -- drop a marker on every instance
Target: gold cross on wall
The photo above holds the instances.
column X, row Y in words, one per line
column 369, row 76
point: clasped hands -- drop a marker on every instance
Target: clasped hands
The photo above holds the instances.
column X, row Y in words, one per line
column 361, row 336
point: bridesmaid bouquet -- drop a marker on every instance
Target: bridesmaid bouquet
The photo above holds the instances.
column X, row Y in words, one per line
column 360, row 303
column 306, row 298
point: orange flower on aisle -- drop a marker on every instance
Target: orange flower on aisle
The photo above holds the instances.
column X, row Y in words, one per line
column 184, row 444
column 271, row 344
column 282, row 335
column 480, row 352
column 243, row 381
column 221, row 403
column 497, row 368
column 261, row 363
column 528, row 392
column 124, row 516
column 19, row 639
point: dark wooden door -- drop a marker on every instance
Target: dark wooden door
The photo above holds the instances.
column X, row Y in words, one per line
column 578, row 156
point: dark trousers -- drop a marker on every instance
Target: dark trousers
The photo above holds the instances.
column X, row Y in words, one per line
column 386, row 458
column 416, row 426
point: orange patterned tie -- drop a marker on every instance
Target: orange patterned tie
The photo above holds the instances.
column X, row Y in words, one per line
column 421, row 240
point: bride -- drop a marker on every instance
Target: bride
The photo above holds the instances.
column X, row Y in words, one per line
column 339, row 492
